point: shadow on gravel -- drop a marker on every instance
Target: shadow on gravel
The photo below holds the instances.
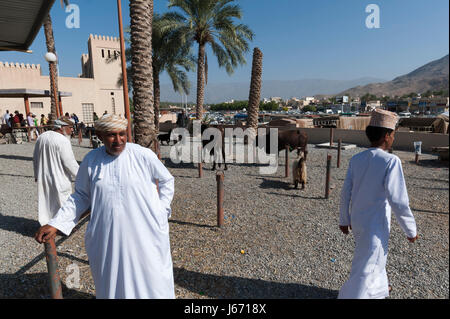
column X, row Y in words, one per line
column 33, row 286
column 244, row 288
column 296, row 195
column 417, row 210
column 17, row 157
column 191, row 224
column 434, row 163
column 25, row 227
column 169, row 164
column 268, row 183
column 15, row 175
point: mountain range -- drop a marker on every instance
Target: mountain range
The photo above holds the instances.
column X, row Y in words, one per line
column 222, row 92
column 432, row 76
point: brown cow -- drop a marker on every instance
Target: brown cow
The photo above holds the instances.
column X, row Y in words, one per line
column 295, row 139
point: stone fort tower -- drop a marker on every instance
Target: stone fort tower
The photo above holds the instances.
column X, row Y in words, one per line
column 96, row 89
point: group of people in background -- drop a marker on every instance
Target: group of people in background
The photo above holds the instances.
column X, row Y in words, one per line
column 18, row 120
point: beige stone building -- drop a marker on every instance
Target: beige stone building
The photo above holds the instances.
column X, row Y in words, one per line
column 96, row 89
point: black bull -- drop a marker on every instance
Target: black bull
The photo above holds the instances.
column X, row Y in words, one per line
column 294, row 139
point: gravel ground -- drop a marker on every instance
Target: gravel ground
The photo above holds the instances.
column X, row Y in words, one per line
column 292, row 246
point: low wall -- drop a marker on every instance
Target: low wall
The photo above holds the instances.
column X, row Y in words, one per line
column 404, row 141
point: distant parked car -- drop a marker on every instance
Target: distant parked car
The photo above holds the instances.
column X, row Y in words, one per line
column 404, row 114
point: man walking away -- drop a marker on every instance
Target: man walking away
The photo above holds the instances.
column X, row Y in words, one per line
column 374, row 186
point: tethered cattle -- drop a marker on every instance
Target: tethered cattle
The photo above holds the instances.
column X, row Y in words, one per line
column 216, row 148
column 294, row 139
column 165, row 137
column 299, row 175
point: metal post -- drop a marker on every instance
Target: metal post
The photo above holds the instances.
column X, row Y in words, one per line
column 417, row 158
column 200, row 164
column 126, row 100
column 27, row 105
column 339, row 153
column 220, row 193
column 90, row 137
column 158, row 148
column 327, row 182
column 55, row 94
column 80, row 136
column 52, row 265
column 331, row 136
column 286, row 168
column 28, row 134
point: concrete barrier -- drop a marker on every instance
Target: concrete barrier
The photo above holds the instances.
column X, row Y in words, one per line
column 404, row 141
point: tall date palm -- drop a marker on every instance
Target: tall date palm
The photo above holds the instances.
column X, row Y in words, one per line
column 212, row 22
column 53, row 74
column 141, row 16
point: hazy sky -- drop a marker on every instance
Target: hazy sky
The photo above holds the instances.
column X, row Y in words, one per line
column 300, row 39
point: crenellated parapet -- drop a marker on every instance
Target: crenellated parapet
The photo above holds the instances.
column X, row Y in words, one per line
column 19, row 66
column 103, row 38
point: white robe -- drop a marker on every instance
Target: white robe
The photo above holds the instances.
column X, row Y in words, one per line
column 54, row 168
column 374, row 185
column 127, row 238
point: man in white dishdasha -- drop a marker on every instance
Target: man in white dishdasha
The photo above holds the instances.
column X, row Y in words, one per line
column 127, row 238
column 55, row 168
column 374, row 186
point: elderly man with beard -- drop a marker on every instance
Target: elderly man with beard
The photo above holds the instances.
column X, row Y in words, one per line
column 127, row 238
column 55, row 168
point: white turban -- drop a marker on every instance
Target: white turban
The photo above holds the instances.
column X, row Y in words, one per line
column 111, row 123
column 63, row 121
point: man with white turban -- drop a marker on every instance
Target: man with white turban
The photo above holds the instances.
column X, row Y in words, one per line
column 127, row 238
column 55, row 168
column 374, row 186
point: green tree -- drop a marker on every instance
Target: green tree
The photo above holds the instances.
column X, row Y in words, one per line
column 211, row 22
column 309, row 108
column 169, row 55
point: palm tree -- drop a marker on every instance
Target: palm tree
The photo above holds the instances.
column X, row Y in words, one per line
column 141, row 16
column 170, row 55
column 50, row 43
column 255, row 92
column 212, row 22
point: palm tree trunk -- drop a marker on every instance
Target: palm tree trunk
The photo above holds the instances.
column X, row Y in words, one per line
column 255, row 91
column 200, row 81
column 157, row 93
column 50, row 42
column 141, row 14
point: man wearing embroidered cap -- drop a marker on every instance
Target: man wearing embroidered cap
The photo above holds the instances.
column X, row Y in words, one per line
column 54, row 168
column 374, row 186
column 127, row 238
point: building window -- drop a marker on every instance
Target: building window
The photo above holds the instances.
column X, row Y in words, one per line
column 37, row 105
column 109, row 54
column 88, row 112
column 103, row 53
